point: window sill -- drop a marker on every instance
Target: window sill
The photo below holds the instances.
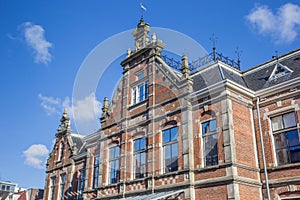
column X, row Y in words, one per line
column 136, row 105
column 284, row 166
column 171, row 173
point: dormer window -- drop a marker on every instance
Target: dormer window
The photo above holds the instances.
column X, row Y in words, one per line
column 279, row 71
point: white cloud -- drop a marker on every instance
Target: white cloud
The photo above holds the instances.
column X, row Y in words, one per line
column 50, row 104
column 35, row 38
column 86, row 109
column 36, row 155
column 283, row 26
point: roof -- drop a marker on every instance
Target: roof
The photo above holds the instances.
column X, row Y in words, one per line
column 260, row 77
column 274, row 72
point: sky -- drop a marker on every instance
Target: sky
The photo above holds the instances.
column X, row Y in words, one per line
column 46, row 45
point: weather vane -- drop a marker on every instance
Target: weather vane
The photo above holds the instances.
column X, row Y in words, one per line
column 238, row 52
column 143, row 9
column 214, row 39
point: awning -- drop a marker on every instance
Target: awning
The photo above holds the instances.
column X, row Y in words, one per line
column 155, row 196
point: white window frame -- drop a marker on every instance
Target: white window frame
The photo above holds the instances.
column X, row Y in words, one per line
column 96, row 169
column 81, row 184
column 62, row 185
column 170, row 143
column 203, row 135
column 135, row 153
column 52, row 187
column 282, row 131
column 138, row 94
column 111, row 160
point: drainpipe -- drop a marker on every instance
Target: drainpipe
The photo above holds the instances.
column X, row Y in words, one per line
column 262, row 149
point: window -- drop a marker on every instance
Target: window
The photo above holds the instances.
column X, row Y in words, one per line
column 170, row 149
column 3, row 187
column 96, row 172
column 140, row 75
column 52, row 188
column 140, row 92
column 139, row 158
column 62, row 186
column 210, row 142
column 61, row 151
column 286, row 138
column 81, row 181
column 114, row 164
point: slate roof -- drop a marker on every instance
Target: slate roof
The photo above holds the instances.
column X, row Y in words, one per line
column 256, row 78
column 78, row 141
column 207, row 77
column 259, row 78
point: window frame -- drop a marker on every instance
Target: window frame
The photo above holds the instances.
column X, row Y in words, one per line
column 81, row 184
column 52, row 187
column 139, row 152
column 96, row 172
column 62, row 185
column 140, row 92
column 170, row 143
column 284, row 132
column 115, row 161
column 205, row 134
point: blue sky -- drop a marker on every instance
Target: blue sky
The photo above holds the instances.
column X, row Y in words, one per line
column 44, row 43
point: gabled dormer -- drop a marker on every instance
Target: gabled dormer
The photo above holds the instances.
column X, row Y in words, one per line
column 279, row 71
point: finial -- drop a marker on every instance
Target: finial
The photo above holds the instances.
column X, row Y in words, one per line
column 238, row 52
column 65, row 121
column 214, row 39
column 154, row 37
column 105, row 109
column 185, row 66
column 65, row 112
column 128, row 52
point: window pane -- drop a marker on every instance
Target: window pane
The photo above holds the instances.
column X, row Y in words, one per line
column 136, row 145
column 97, row 160
column 146, row 90
column 167, row 136
column 114, row 152
column 277, row 123
column 141, row 92
column 209, row 126
column 213, row 125
column 174, row 133
column 140, row 76
column 280, row 141
column 211, row 150
column 282, row 156
column 140, row 144
column 134, row 95
column 174, row 164
column 289, row 120
column 293, row 138
column 295, row 154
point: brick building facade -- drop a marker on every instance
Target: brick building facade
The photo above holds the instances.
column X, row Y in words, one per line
column 213, row 132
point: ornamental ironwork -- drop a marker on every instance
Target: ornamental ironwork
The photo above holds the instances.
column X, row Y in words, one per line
column 203, row 61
